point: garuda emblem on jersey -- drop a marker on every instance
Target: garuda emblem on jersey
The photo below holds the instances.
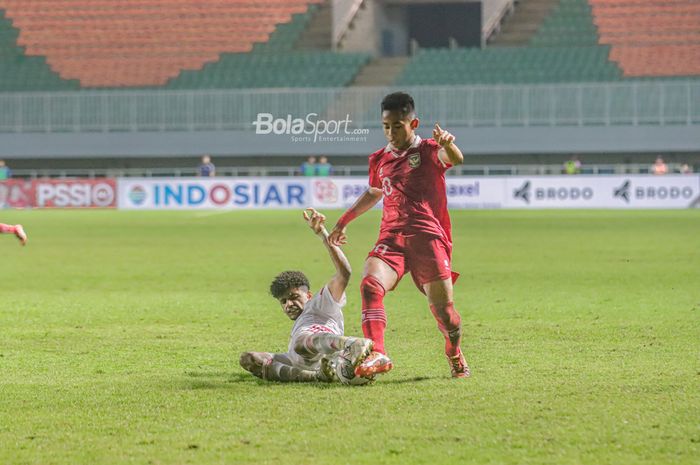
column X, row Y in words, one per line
column 414, row 160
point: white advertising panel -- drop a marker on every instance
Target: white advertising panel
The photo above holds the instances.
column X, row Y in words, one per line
column 213, row 193
column 602, row 191
column 673, row 191
column 472, row 192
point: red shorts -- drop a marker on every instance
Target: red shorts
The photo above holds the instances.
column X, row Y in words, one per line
column 426, row 257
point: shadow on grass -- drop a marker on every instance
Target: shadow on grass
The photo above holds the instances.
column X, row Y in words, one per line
column 224, row 380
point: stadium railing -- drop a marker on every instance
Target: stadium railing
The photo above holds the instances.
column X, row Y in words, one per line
column 639, row 102
column 349, row 170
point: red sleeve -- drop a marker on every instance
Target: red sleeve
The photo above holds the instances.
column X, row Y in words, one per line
column 374, row 180
column 434, row 148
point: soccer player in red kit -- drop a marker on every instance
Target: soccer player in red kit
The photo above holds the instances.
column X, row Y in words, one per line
column 415, row 233
column 15, row 229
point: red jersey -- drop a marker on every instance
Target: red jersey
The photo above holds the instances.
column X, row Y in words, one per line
column 413, row 183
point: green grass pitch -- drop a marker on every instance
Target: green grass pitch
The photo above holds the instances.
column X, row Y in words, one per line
column 120, row 334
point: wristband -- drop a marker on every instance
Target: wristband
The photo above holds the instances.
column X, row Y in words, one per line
column 347, row 217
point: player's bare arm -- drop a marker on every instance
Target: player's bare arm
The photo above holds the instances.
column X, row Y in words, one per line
column 366, row 201
column 449, row 152
column 339, row 281
column 15, row 229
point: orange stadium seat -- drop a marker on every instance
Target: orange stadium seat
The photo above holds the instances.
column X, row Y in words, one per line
column 142, row 42
column 650, row 37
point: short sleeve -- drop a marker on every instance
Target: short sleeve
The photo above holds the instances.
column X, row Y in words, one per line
column 374, row 180
column 328, row 300
column 433, row 149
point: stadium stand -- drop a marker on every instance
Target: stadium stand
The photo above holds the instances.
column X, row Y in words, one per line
column 20, row 72
column 564, row 49
column 509, row 65
column 208, row 44
column 312, row 69
column 651, row 37
column 579, row 40
column 150, row 42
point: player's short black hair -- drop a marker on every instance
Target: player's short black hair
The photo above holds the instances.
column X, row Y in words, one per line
column 399, row 101
column 287, row 280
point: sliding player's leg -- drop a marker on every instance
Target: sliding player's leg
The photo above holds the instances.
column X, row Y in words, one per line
column 277, row 367
column 354, row 349
column 15, row 229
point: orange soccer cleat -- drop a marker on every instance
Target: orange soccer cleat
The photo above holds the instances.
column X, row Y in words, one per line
column 374, row 364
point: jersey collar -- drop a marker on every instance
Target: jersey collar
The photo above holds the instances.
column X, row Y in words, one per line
column 400, row 153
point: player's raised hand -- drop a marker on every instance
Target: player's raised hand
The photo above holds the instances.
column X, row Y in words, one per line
column 442, row 137
column 315, row 220
column 338, row 237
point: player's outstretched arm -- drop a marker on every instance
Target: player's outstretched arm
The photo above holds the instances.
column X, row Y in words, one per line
column 449, row 152
column 367, row 200
column 339, row 281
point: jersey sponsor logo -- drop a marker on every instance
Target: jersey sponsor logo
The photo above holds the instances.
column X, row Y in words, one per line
column 414, row 160
column 319, row 329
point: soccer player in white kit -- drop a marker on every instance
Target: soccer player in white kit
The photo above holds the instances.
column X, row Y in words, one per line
column 317, row 336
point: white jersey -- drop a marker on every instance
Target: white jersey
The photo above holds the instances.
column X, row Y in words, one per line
column 322, row 314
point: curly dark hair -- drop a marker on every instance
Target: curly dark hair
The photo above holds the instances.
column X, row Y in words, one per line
column 287, row 280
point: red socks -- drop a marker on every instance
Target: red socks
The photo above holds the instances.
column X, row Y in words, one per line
column 7, row 228
column 373, row 314
column 450, row 325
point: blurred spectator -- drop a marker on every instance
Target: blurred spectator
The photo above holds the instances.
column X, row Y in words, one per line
column 5, row 171
column 572, row 166
column 308, row 168
column 206, row 169
column 686, row 169
column 323, row 168
column 659, row 167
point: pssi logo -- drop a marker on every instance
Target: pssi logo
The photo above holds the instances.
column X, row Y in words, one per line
column 326, row 191
column 74, row 194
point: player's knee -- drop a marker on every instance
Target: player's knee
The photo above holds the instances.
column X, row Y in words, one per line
column 371, row 289
column 301, row 345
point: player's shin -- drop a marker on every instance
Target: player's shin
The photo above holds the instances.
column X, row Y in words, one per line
column 321, row 343
column 373, row 314
column 277, row 371
column 450, row 325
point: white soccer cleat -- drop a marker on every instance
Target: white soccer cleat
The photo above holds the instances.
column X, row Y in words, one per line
column 358, row 350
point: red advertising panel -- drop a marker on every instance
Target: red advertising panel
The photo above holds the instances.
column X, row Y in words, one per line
column 16, row 193
column 75, row 193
